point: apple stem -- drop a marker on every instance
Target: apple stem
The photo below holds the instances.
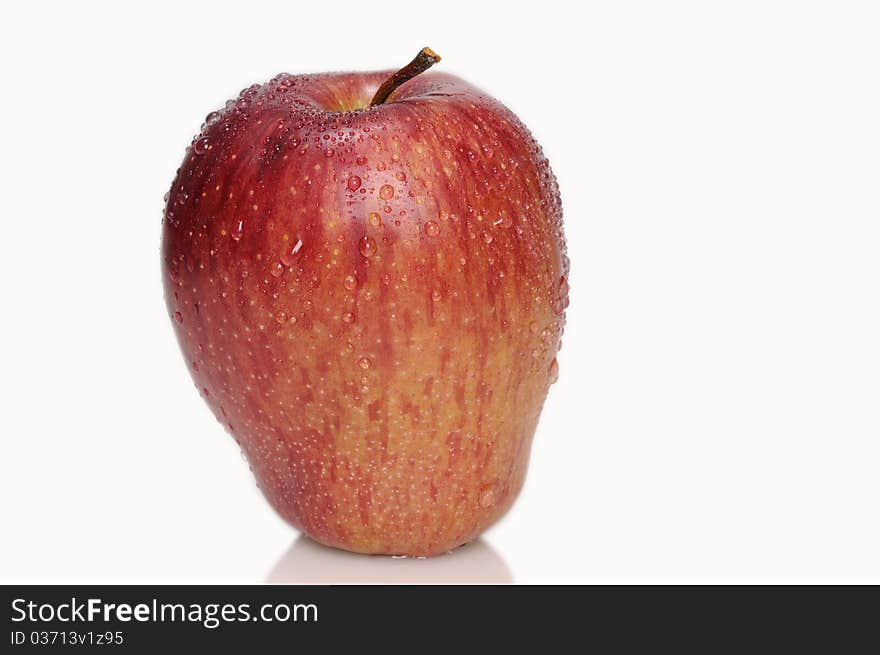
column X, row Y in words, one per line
column 422, row 62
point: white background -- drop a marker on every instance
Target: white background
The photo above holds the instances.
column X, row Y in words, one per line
column 717, row 417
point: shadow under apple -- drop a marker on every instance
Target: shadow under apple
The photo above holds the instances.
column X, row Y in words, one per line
column 307, row 562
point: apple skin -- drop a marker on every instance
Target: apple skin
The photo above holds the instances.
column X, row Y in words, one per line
column 371, row 301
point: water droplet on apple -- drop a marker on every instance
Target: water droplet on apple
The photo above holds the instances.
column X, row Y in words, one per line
column 178, row 317
column 200, row 147
column 350, row 282
column 386, row 192
column 365, row 363
column 348, row 317
column 444, row 215
column 289, row 256
column 436, row 295
column 380, row 166
column 375, row 219
column 505, row 221
column 367, row 246
column 354, row 183
column 281, row 316
column 237, row 230
column 432, row 229
column 487, row 238
column 329, row 152
column 361, row 161
column 554, row 371
column 401, row 176
column 560, row 300
column 276, row 269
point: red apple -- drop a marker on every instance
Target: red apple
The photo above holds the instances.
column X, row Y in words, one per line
column 369, row 289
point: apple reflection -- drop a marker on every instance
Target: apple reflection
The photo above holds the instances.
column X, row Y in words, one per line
column 307, row 562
